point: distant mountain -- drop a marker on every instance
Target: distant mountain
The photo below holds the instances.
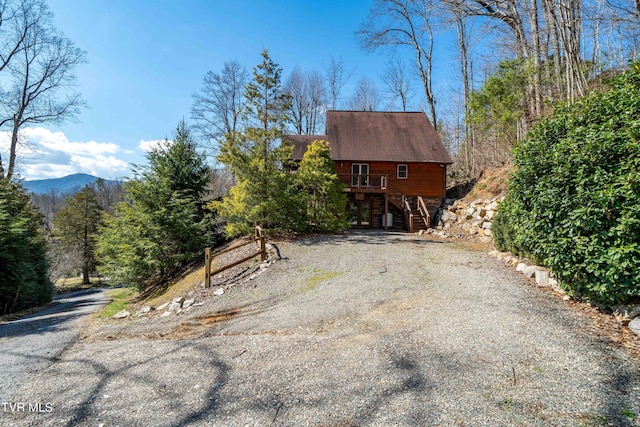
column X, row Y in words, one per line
column 64, row 185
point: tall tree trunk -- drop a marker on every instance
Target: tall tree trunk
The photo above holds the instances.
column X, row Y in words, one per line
column 552, row 26
column 536, row 55
column 12, row 149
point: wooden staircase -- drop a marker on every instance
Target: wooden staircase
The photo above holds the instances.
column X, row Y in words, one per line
column 416, row 213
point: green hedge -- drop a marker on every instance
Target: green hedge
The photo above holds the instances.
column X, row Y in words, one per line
column 574, row 201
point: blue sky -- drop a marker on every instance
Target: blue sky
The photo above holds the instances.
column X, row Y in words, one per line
column 147, row 57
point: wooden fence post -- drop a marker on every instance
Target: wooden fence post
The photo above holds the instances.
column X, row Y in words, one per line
column 207, row 267
column 263, row 244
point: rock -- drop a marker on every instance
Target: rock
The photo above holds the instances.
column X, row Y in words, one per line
column 264, row 265
column 566, row 298
column 178, row 300
column 470, row 211
column 521, row 266
column 542, row 277
column 487, row 225
column 421, row 232
column 173, row 306
column 473, row 231
column 218, row 291
column 188, row 302
column 530, row 271
column 494, row 253
column 487, row 232
column 162, row 306
column 634, row 325
column 165, row 314
column 624, row 314
column 121, row 314
column 144, row 310
column 482, row 212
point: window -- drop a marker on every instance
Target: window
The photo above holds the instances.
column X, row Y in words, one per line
column 359, row 174
column 403, row 171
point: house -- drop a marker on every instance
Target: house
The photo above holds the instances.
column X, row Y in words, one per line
column 393, row 165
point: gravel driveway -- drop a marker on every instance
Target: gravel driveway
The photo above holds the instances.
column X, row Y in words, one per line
column 369, row 328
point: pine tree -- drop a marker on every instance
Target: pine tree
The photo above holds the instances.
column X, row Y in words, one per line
column 24, row 279
column 260, row 160
column 76, row 226
column 161, row 226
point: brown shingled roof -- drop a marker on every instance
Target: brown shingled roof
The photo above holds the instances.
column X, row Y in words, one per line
column 378, row 136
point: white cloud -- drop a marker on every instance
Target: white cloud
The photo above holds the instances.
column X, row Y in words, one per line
column 46, row 154
column 152, row 144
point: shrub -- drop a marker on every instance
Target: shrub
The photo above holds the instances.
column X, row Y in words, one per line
column 574, row 200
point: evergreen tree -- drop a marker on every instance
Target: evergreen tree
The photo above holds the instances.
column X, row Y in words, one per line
column 161, row 226
column 259, row 158
column 322, row 191
column 24, row 280
column 76, row 226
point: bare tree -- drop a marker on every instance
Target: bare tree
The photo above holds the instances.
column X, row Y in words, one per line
column 393, row 23
column 296, row 87
column 336, row 78
column 40, row 78
column 16, row 22
column 318, row 98
column 366, row 96
column 308, row 97
column 398, row 83
column 218, row 106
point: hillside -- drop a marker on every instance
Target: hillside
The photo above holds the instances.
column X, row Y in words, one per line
column 64, row 185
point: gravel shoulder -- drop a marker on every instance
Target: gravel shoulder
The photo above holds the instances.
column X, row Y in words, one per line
column 367, row 328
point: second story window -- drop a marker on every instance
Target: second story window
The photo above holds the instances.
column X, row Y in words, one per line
column 403, row 171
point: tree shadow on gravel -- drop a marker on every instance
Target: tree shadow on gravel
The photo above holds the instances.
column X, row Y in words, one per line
column 86, row 410
column 619, row 409
column 367, row 237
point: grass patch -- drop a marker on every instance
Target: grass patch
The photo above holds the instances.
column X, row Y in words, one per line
column 121, row 298
column 317, row 278
column 179, row 288
column 71, row 284
column 626, row 412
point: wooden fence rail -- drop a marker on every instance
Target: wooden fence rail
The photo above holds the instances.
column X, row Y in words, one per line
column 209, row 256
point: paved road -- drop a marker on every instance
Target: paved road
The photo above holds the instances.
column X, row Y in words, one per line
column 34, row 342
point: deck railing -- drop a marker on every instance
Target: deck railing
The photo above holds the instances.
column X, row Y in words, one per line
column 368, row 182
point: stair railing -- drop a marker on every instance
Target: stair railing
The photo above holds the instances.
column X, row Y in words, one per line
column 408, row 213
column 424, row 212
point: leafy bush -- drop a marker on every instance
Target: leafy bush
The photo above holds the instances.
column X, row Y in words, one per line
column 24, row 280
column 574, row 200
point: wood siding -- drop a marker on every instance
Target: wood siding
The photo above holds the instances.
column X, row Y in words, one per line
column 424, row 179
